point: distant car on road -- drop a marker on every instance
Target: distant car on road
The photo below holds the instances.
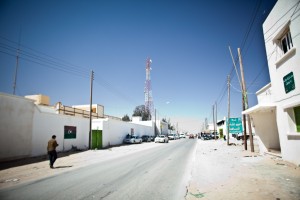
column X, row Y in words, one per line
column 131, row 139
column 182, row 135
column 161, row 138
column 191, row 136
column 146, row 138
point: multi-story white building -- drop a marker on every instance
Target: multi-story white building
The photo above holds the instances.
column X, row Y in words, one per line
column 276, row 117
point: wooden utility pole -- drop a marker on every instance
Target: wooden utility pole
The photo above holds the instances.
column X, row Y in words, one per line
column 228, row 85
column 245, row 106
column 91, row 110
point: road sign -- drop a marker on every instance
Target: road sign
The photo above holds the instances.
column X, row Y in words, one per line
column 235, row 125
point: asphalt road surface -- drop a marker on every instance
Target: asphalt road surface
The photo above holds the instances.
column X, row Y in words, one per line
column 161, row 172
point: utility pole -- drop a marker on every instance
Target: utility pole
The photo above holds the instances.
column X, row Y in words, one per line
column 243, row 99
column 91, row 110
column 214, row 118
column 17, row 65
column 216, row 121
column 155, row 122
column 245, row 106
column 228, row 85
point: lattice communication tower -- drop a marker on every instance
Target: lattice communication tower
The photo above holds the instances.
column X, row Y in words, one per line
column 148, row 90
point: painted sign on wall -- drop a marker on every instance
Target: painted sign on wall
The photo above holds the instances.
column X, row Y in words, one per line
column 289, row 82
column 70, row 132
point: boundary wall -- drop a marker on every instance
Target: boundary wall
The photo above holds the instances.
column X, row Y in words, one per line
column 25, row 128
column 114, row 131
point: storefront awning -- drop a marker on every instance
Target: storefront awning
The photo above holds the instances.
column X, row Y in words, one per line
column 259, row 108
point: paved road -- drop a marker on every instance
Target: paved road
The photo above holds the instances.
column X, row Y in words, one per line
column 161, row 172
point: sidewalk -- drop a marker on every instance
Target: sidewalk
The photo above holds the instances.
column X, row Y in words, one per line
column 229, row 172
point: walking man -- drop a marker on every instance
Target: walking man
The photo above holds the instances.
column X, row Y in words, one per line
column 51, row 148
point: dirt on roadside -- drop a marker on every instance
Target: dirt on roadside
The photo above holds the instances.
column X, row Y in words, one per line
column 229, row 172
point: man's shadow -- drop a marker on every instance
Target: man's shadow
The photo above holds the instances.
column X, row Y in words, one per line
column 67, row 166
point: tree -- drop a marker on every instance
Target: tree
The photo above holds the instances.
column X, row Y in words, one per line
column 170, row 126
column 142, row 112
column 126, row 118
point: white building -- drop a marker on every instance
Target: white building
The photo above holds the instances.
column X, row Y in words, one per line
column 276, row 117
column 26, row 125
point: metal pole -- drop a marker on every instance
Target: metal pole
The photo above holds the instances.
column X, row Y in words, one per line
column 91, row 101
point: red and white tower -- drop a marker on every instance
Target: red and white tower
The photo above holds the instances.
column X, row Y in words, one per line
column 148, row 90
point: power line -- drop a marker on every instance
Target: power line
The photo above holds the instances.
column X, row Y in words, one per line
column 37, row 58
column 275, row 31
column 244, row 41
column 115, row 91
column 45, row 60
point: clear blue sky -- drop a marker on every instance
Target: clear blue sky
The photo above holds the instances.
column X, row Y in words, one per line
column 187, row 40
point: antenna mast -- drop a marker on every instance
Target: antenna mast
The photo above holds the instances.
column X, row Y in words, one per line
column 148, row 89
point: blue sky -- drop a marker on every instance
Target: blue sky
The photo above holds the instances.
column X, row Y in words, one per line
column 62, row 41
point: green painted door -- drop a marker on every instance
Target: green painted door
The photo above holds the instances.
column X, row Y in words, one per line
column 97, row 139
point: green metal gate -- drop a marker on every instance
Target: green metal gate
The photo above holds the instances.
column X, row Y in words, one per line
column 97, row 139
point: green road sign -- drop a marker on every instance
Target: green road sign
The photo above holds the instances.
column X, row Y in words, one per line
column 235, row 125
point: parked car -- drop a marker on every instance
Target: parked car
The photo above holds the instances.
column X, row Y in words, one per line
column 240, row 136
column 152, row 138
column 146, row 138
column 161, row 138
column 206, row 137
column 213, row 135
column 182, row 135
column 172, row 136
column 131, row 139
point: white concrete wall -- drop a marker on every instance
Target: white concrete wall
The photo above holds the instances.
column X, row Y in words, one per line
column 16, row 121
column 114, row 131
column 267, row 129
column 47, row 124
column 284, row 15
column 162, row 127
column 25, row 128
column 265, row 95
column 275, row 22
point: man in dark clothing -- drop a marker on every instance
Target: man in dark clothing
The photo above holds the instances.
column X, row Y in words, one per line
column 51, row 148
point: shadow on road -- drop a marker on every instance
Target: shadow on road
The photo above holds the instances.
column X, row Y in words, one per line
column 31, row 160
column 63, row 167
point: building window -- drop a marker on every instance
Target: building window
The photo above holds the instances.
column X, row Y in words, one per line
column 297, row 118
column 286, row 42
